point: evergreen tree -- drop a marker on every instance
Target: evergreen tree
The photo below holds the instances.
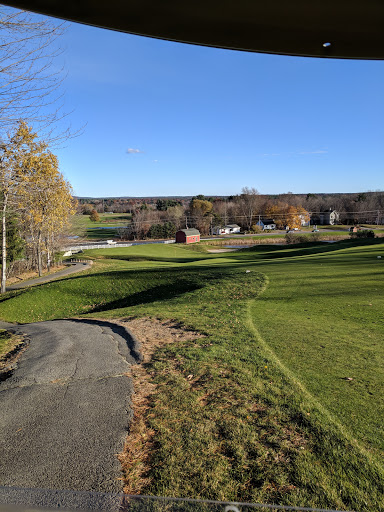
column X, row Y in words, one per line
column 15, row 244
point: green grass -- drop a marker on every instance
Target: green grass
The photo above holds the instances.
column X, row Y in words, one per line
column 348, row 226
column 82, row 226
column 267, row 415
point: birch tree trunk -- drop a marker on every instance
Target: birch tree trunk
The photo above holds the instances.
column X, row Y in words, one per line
column 4, row 245
column 48, row 255
column 39, row 257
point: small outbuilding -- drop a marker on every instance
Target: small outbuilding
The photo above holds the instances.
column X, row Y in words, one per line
column 187, row 236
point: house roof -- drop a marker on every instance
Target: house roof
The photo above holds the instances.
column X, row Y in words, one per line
column 190, row 231
column 267, row 221
column 231, row 226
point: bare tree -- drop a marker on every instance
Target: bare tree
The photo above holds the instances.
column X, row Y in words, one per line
column 30, row 86
column 248, row 202
column 29, row 91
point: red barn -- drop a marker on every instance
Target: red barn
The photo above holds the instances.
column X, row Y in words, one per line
column 187, row 236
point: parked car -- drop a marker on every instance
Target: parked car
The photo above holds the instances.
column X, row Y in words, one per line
column 315, row 230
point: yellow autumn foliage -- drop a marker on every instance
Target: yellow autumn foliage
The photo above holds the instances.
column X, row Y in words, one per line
column 286, row 215
column 43, row 197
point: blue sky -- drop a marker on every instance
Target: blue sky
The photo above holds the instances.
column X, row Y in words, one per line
column 166, row 118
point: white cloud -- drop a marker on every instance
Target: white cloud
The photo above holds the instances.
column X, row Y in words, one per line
column 132, row 151
column 316, row 152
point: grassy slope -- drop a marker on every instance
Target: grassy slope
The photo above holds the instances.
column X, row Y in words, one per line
column 267, row 414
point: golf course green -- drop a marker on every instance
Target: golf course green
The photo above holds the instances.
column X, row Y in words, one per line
column 281, row 401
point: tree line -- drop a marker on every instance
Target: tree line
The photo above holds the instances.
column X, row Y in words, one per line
column 162, row 218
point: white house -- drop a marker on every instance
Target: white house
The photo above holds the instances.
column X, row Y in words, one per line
column 232, row 228
column 226, row 230
column 266, row 224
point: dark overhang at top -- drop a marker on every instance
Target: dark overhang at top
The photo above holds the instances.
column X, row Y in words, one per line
column 352, row 29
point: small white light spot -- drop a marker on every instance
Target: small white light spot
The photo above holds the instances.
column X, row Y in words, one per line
column 326, row 45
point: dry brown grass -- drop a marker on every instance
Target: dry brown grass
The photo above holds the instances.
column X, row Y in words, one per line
column 274, row 240
column 31, row 275
column 10, row 351
column 245, row 241
column 135, row 458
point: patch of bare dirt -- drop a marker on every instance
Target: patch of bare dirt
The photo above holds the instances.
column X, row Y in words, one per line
column 135, row 458
column 8, row 361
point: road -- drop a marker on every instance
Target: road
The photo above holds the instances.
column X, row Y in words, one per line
column 71, row 269
column 66, row 409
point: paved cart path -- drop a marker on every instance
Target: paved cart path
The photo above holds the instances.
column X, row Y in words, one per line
column 66, row 408
column 71, row 269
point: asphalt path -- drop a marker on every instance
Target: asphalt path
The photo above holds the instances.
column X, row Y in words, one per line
column 66, row 408
column 71, row 269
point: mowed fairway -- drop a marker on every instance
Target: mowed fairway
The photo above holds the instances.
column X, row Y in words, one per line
column 321, row 317
column 282, row 401
column 105, row 228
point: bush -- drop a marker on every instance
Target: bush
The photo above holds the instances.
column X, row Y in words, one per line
column 291, row 238
column 94, row 216
column 256, row 229
column 364, row 233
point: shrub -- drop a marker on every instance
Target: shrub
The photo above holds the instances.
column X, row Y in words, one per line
column 256, row 229
column 364, row 233
column 94, row 216
column 291, row 238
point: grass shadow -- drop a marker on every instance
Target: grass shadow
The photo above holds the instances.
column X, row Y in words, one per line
column 158, row 293
column 135, row 258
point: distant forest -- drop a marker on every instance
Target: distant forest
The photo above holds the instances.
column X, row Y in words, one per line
column 157, row 217
column 349, row 203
